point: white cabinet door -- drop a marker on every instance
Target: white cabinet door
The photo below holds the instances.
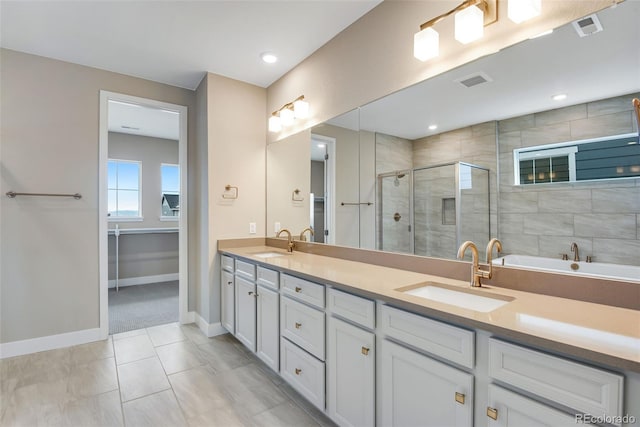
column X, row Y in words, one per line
column 350, row 374
column 228, row 302
column 416, row 390
column 268, row 336
column 246, row 312
column 508, row 409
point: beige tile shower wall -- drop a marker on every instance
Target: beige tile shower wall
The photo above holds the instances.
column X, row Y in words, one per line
column 393, row 154
column 473, row 144
column 601, row 217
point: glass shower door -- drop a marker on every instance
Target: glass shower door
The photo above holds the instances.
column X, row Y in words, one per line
column 395, row 209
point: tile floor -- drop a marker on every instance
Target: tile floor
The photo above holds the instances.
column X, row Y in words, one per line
column 169, row 375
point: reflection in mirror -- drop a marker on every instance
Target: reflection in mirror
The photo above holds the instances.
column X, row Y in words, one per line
column 479, row 114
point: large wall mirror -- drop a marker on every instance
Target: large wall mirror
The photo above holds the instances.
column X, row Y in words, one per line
column 536, row 144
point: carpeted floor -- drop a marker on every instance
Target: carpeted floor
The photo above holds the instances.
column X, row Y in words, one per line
column 142, row 306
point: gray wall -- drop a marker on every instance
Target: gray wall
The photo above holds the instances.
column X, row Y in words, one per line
column 603, row 217
column 50, row 116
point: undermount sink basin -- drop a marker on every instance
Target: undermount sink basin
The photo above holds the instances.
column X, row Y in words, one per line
column 268, row 254
column 464, row 298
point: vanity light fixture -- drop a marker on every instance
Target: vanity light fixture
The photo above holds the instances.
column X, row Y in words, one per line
column 469, row 24
column 471, row 16
column 285, row 116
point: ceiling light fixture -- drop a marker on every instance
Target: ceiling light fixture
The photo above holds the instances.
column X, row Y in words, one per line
column 471, row 16
column 269, row 57
column 559, row 97
column 433, row 127
column 285, row 115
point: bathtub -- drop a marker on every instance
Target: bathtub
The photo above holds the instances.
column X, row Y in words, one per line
column 595, row 269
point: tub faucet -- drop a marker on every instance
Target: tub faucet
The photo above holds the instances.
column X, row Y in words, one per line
column 576, row 254
column 476, row 273
column 290, row 243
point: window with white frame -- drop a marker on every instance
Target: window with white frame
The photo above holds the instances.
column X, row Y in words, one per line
column 124, row 189
column 170, row 184
column 586, row 160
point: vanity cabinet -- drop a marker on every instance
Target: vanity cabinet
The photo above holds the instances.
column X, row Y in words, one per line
column 509, row 409
column 414, row 389
column 302, row 328
column 350, row 374
column 246, row 312
column 268, row 318
column 581, row 388
column 227, row 294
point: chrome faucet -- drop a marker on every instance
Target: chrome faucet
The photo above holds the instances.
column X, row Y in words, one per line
column 574, row 249
column 476, row 273
column 311, row 234
column 498, row 245
column 290, row 243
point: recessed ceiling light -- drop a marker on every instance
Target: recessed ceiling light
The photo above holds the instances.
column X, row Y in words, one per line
column 269, row 57
column 559, row 97
column 433, row 127
column 320, row 145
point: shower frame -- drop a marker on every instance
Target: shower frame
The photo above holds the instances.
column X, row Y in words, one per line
column 458, row 199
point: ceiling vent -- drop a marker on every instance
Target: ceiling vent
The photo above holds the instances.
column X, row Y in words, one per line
column 474, row 79
column 587, row 25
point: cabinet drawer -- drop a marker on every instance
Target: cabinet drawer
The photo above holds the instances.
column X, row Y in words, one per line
column 303, row 372
column 246, row 270
column 580, row 387
column 511, row 409
column 357, row 309
column 227, row 263
column 448, row 342
column 302, row 325
column 268, row 278
column 302, row 290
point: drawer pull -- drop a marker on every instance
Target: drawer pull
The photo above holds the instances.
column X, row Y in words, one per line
column 460, row 398
column 298, row 325
column 255, row 294
column 492, row 413
column 298, row 289
column 298, row 371
column 365, row 351
column 229, row 283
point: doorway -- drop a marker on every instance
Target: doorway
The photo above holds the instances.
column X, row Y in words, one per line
column 322, row 200
column 142, row 205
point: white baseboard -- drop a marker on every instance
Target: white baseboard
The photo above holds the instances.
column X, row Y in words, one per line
column 143, row 280
column 209, row 329
column 50, row 342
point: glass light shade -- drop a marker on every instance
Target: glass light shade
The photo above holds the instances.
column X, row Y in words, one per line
column 301, row 109
column 521, row 10
column 286, row 117
column 274, row 124
column 469, row 24
column 426, row 44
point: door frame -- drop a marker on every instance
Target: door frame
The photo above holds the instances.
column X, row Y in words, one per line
column 103, row 225
column 329, row 186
